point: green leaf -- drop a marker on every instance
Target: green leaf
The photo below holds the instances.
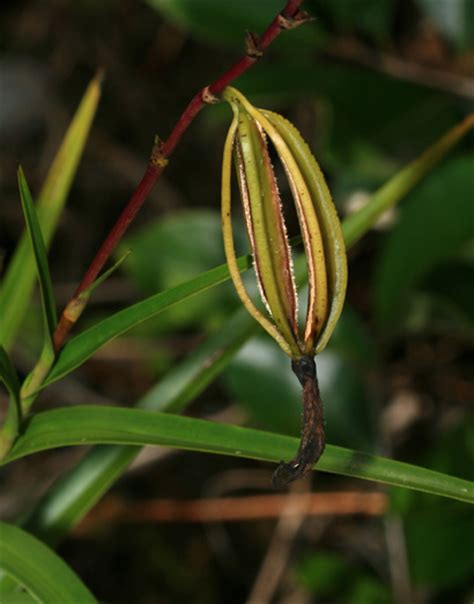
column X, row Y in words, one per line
column 174, row 240
column 452, row 283
column 73, row 495
column 40, row 254
column 189, row 378
column 80, row 348
column 90, row 424
column 358, row 107
column 449, row 559
column 453, row 19
column 352, row 340
column 18, row 283
column 404, row 181
column 372, row 17
column 10, row 427
column 435, row 223
column 325, row 574
column 260, row 379
column 42, row 572
column 8, row 374
column 225, row 23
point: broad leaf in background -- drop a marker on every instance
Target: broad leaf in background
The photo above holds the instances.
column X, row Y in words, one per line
column 225, row 23
column 172, row 250
column 41, row 258
column 435, row 223
column 450, row 557
column 452, row 286
column 351, row 339
column 74, row 494
column 355, row 106
column 81, row 347
column 10, row 427
column 41, row 571
column 331, row 575
column 453, row 18
column 18, row 283
column 8, row 374
column 444, row 524
column 259, row 378
column 372, row 17
column 90, row 424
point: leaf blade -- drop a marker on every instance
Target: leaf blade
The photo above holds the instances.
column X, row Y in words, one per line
column 40, row 255
column 416, row 245
column 10, row 428
column 34, row 565
column 353, row 228
column 90, row 424
column 73, row 495
column 81, row 347
column 17, row 285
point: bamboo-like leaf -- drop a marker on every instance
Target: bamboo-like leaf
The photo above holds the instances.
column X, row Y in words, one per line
column 74, row 494
column 41, row 571
column 8, row 374
column 81, row 347
column 40, row 255
column 90, row 424
column 16, row 288
column 10, row 427
column 402, row 182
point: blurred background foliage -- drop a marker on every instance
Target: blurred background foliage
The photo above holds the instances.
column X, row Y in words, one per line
column 370, row 83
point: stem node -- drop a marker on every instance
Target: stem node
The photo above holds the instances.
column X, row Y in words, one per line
column 157, row 157
column 253, row 48
column 300, row 18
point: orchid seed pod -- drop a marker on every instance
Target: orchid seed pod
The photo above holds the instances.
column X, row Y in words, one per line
column 247, row 146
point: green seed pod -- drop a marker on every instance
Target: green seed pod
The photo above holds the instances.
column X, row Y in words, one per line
column 323, row 242
column 319, row 223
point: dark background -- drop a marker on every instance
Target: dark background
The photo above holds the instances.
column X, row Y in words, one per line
column 370, row 84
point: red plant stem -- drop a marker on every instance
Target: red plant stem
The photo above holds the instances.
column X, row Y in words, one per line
column 155, row 169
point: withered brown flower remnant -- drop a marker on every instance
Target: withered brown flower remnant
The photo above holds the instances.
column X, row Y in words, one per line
column 247, row 146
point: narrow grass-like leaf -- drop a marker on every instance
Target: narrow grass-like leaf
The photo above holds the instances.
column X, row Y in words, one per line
column 357, row 224
column 416, row 244
column 40, row 255
column 80, row 348
column 73, row 495
column 16, row 288
column 90, row 424
column 41, row 571
column 86, row 343
column 8, row 374
column 10, row 427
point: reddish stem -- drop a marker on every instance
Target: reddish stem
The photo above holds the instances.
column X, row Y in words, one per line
column 155, row 169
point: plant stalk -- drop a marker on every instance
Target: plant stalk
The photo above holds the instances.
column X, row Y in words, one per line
column 288, row 18
column 313, row 439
